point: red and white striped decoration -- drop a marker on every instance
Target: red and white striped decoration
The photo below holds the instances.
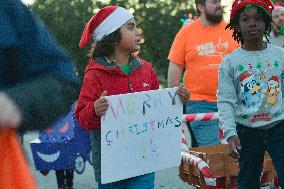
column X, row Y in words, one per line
column 184, row 144
column 201, row 117
column 202, row 166
column 204, row 117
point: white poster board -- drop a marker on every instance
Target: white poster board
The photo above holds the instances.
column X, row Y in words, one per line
column 141, row 133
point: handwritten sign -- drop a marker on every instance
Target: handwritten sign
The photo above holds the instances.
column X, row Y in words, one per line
column 141, row 133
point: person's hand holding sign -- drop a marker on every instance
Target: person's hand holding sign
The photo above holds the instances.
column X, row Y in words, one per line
column 183, row 94
column 101, row 105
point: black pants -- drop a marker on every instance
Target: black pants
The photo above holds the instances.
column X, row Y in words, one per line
column 254, row 143
column 64, row 178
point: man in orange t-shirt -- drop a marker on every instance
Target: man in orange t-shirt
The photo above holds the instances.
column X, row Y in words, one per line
column 199, row 48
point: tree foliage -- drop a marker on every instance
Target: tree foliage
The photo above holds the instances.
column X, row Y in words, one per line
column 157, row 19
column 66, row 19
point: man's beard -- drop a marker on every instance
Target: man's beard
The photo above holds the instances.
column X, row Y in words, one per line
column 214, row 19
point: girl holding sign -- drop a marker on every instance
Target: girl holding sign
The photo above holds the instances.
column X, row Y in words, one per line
column 112, row 70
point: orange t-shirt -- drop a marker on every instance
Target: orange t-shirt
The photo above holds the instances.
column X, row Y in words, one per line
column 200, row 50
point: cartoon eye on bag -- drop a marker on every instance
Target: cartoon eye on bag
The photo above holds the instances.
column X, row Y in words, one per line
column 48, row 130
column 64, row 128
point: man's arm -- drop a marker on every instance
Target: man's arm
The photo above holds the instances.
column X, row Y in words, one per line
column 174, row 73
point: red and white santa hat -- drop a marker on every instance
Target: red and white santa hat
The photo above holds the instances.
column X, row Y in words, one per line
column 103, row 23
column 273, row 79
column 239, row 4
column 278, row 8
column 244, row 78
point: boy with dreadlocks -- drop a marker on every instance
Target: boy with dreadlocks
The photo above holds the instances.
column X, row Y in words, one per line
column 250, row 93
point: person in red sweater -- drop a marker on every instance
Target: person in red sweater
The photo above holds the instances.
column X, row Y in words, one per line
column 112, row 70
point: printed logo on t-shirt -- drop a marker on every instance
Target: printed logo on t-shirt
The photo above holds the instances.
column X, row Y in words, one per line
column 145, row 84
column 211, row 49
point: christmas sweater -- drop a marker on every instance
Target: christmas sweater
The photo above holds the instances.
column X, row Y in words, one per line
column 250, row 89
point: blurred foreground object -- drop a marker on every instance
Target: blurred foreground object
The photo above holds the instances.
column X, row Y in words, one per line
column 10, row 115
column 15, row 170
column 35, row 72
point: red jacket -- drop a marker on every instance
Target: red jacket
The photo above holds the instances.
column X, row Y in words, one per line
column 101, row 75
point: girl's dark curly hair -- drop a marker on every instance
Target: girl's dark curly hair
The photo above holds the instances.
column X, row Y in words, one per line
column 106, row 46
column 234, row 24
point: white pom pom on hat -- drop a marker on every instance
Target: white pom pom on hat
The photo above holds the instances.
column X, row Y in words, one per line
column 103, row 23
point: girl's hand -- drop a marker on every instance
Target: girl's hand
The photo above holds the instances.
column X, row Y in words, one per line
column 10, row 115
column 101, row 105
column 183, row 95
column 234, row 146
